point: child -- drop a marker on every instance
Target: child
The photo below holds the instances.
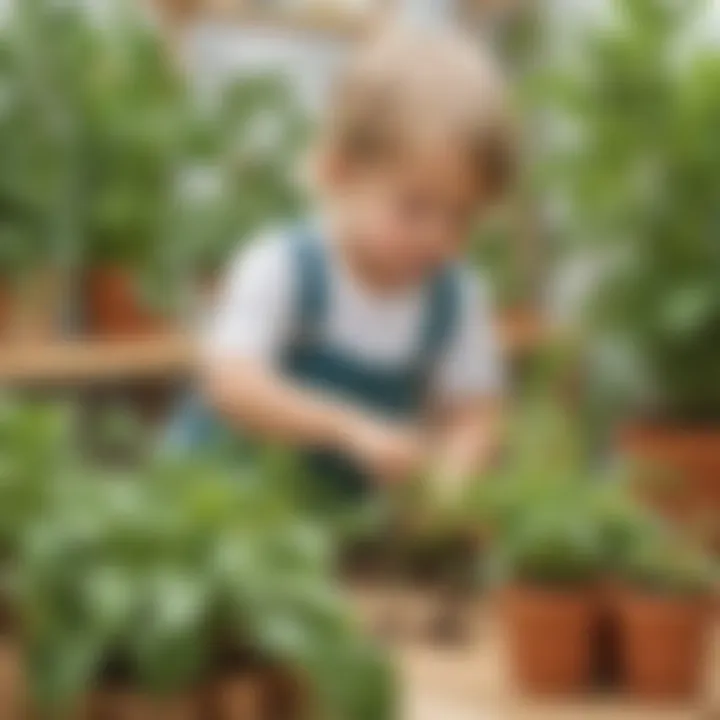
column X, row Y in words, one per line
column 357, row 336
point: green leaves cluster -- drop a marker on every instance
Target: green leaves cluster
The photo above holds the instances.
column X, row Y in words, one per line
column 242, row 177
column 640, row 176
column 93, row 129
column 111, row 156
column 164, row 570
column 555, row 522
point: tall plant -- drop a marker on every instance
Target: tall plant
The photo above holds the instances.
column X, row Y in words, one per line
column 112, row 158
column 641, row 182
column 119, row 113
column 155, row 581
column 32, row 174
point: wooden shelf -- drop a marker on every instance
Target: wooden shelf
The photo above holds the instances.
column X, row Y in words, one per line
column 165, row 357
column 95, row 361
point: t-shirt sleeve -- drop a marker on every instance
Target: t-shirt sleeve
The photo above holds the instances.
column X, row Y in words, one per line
column 252, row 317
column 472, row 365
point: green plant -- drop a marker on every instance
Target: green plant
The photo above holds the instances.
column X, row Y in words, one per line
column 553, row 519
column 555, row 542
column 242, row 178
column 94, row 126
column 32, row 172
column 497, row 253
column 667, row 565
column 640, row 181
column 111, row 157
column 36, row 450
column 162, row 575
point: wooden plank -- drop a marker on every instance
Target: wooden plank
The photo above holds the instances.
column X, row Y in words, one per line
column 167, row 356
column 89, row 361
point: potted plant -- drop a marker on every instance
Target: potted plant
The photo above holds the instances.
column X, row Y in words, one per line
column 182, row 592
column 640, row 185
column 179, row 186
column 550, row 561
column 115, row 114
column 665, row 609
column 137, row 122
column 545, row 551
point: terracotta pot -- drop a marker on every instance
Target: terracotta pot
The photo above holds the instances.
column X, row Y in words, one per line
column 237, row 696
column 13, row 695
column 128, row 704
column 681, row 472
column 664, row 644
column 550, row 638
column 286, row 696
column 114, row 307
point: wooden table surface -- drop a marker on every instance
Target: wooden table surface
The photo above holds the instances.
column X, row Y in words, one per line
column 469, row 681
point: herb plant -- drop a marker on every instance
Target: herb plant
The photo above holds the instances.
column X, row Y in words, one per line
column 163, row 575
column 640, row 176
column 112, row 158
column 666, row 565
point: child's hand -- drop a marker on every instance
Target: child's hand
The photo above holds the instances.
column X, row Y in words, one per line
column 391, row 454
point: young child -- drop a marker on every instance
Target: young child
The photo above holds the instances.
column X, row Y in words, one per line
column 358, row 337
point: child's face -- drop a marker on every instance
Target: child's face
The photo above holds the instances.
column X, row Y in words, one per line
column 409, row 219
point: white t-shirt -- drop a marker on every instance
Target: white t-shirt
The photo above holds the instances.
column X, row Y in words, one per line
column 255, row 316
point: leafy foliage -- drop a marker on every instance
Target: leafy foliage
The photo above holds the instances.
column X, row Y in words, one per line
column 641, row 177
column 539, row 508
column 553, row 520
column 163, row 570
column 241, row 177
column 164, row 573
column 95, row 133
column 111, row 156
column 666, row 565
column 34, row 442
column 496, row 251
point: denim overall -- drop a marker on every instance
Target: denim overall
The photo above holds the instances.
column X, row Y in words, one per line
column 393, row 392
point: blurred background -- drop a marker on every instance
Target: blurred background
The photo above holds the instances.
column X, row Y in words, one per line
column 143, row 141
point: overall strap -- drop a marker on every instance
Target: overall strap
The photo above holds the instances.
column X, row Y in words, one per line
column 311, row 278
column 442, row 317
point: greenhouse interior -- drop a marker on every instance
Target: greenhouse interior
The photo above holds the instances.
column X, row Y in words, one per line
column 547, row 547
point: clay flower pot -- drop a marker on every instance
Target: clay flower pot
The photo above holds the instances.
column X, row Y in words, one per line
column 114, row 308
column 686, row 464
column 286, row 696
column 550, row 638
column 13, row 685
column 129, row 704
column 237, row 696
column 664, row 644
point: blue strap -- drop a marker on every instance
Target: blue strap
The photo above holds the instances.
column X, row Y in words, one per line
column 312, row 280
column 442, row 316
